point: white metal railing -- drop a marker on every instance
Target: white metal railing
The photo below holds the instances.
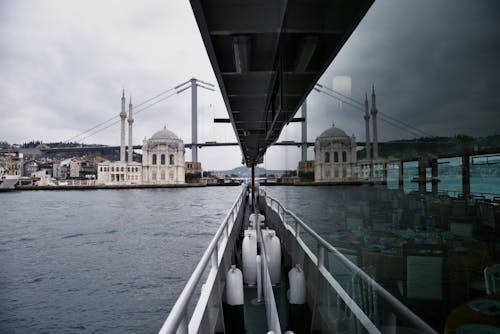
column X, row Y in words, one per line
column 396, row 308
column 272, row 317
column 177, row 320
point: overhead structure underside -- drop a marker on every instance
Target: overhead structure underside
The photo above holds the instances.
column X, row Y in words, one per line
column 268, row 54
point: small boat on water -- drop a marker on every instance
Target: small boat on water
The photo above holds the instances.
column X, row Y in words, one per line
column 8, row 182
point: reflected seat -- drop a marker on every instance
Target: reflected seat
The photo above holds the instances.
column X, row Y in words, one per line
column 492, row 279
column 424, row 281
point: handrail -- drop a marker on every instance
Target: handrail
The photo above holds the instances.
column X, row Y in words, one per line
column 391, row 301
column 178, row 314
column 273, row 323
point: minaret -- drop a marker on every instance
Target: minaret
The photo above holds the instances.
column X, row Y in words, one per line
column 123, row 115
column 367, row 129
column 130, row 142
column 374, row 116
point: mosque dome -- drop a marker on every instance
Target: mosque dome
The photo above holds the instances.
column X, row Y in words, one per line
column 164, row 134
column 333, row 132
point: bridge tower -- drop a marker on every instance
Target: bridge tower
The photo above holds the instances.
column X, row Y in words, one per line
column 304, row 130
column 194, row 120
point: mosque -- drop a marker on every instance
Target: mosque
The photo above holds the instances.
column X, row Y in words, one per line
column 335, row 156
column 162, row 158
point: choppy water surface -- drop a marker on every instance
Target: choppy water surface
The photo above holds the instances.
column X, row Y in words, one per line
column 104, row 261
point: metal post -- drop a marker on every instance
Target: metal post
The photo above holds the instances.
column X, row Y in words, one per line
column 183, row 326
column 389, row 322
column 215, row 258
column 422, row 178
column 259, row 279
column 321, row 256
column 434, row 172
column 304, row 130
column 194, row 121
column 253, row 187
column 465, row 177
column 401, row 175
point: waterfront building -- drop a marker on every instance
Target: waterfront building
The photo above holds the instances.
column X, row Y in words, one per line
column 306, row 170
column 61, row 169
column 334, row 156
column 193, row 171
column 80, row 167
column 162, row 158
column 162, row 163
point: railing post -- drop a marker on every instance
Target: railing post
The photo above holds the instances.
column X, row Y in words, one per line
column 389, row 322
column 321, row 255
column 215, row 258
column 183, row 326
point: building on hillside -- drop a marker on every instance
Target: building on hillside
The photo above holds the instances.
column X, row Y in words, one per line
column 12, row 160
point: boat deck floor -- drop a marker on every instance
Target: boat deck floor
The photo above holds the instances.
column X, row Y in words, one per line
column 293, row 317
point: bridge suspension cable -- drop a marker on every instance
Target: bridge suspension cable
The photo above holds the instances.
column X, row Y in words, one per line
column 383, row 116
column 144, row 104
column 415, row 134
column 137, row 112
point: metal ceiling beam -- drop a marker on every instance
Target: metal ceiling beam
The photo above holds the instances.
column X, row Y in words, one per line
column 268, row 54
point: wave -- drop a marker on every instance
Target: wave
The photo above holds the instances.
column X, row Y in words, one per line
column 76, row 235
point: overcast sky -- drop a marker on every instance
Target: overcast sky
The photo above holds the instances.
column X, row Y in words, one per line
column 63, row 64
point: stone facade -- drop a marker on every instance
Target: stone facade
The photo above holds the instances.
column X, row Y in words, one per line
column 162, row 163
column 335, row 157
column 163, row 159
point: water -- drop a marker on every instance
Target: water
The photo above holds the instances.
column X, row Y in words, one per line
column 114, row 261
column 104, row 261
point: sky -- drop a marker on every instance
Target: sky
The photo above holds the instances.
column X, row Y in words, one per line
column 63, row 65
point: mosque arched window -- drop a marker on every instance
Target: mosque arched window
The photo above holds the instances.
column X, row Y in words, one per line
column 154, row 159
column 327, row 156
column 171, row 159
column 344, row 156
column 335, row 156
column 163, row 159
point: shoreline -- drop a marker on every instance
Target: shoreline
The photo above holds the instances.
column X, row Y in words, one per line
column 125, row 186
column 321, row 184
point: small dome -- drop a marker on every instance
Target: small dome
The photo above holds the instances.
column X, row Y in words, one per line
column 333, row 132
column 164, row 134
